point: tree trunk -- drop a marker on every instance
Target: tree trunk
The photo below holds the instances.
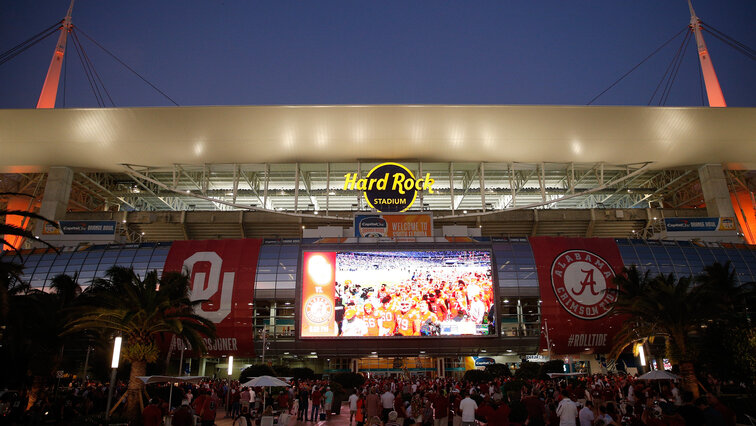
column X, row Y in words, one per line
column 134, row 393
column 36, row 387
column 688, row 373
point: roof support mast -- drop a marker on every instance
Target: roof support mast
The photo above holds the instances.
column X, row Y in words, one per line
column 713, row 90
column 50, row 88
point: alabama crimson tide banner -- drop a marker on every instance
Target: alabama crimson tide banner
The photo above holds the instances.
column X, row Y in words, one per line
column 574, row 275
column 223, row 273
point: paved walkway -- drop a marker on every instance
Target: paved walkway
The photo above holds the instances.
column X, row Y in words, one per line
column 340, row 420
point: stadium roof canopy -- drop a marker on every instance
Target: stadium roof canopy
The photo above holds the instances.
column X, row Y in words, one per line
column 103, row 139
column 293, row 158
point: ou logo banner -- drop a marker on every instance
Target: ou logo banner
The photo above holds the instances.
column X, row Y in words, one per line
column 205, row 286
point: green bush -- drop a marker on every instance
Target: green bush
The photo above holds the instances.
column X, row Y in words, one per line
column 256, row 370
column 498, row 370
column 476, row 376
column 302, row 373
column 528, row 370
column 349, row 380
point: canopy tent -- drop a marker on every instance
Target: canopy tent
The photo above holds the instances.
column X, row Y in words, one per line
column 659, row 375
column 164, row 379
column 170, row 379
column 552, row 375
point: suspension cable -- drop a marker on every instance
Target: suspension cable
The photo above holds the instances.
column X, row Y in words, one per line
column 751, row 56
column 751, row 53
column 673, row 76
column 78, row 29
column 31, row 41
column 668, row 72
column 89, row 78
column 95, row 74
column 636, row 66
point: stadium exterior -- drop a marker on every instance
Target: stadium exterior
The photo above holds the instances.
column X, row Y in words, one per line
column 667, row 189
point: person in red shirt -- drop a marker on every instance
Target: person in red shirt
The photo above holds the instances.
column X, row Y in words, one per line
column 315, row 397
column 152, row 415
column 208, row 408
column 440, row 404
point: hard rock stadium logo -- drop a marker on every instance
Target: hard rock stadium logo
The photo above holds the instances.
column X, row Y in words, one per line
column 580, row 280
column 389, row 187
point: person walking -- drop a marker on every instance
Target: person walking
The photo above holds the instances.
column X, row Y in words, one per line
column 468, row 406
column 566, row 410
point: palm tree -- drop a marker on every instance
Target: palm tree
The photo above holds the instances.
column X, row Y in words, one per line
column 142, row 311
column 11, row 267
column 662, row 307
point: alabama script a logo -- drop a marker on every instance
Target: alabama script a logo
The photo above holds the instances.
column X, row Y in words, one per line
column 580, row 280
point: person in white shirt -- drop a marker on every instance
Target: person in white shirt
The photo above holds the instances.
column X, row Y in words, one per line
column 387, row 401
column 586, row 414
column 353, row 405
column 567, row 410
column 468, row 406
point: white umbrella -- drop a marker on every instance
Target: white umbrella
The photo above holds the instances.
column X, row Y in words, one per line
column 264, row 381
column 659, row 375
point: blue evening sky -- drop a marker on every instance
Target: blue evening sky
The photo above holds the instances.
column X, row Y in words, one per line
column 212, row 52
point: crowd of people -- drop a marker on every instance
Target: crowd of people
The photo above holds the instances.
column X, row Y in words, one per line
column 597, row 400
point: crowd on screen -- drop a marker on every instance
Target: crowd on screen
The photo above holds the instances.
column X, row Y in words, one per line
column 380, row 294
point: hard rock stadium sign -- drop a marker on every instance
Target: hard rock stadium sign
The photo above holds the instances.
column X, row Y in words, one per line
column 389, row 187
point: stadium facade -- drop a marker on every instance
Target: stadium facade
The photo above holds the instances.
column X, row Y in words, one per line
column 533, row 209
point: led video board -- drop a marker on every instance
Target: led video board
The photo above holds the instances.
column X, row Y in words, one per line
column 353, row 294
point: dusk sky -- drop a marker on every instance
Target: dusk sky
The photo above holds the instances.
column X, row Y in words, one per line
column 211, row 52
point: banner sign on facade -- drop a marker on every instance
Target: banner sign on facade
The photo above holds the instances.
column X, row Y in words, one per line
column 81, row 227
column 699, row 224
column 223, row 273
column 574, row 275
column 393, row 225
column 318, row 294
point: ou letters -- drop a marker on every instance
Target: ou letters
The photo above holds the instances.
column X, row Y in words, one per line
column 200, row 291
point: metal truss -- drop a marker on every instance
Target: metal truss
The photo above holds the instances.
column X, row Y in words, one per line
column 318, row 188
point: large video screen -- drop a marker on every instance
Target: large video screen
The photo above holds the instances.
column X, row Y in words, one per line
column 397, row 293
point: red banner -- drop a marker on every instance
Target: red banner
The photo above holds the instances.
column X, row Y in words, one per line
column 223, row 273
column 573, row 275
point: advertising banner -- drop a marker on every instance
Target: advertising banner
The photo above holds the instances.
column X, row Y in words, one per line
column 393, row 225
column 574, row 275
column 318, row 294
column 81, row 227
column 223, row 273
column 699, row 224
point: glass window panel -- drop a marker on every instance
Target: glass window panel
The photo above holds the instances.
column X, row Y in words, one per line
column 44, row 263
column 508, row 283
column 507, row 275
column 285, row 285
column 265, row 285
column 289, row 252
column 266, row 277
column 289, row 262
column 267, row 262
column 267, row 252
column 266, row 270
column 286, row 277
column 528, row 283
column 87, row 267
column 140, row 265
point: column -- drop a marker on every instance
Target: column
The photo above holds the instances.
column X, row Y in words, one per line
column 57, row 192
column 715, row 191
